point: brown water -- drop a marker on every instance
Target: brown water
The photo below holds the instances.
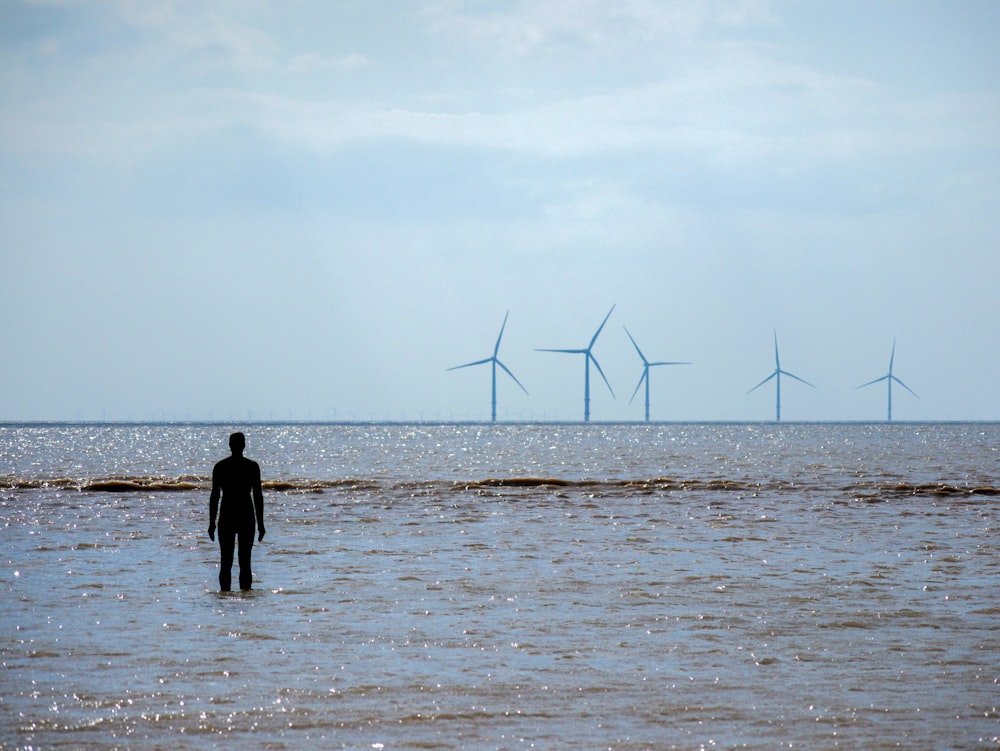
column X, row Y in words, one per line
column 518, row 586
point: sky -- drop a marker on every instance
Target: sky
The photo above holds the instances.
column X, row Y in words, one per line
column 309, row 210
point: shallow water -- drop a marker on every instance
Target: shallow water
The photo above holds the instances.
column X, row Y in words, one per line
column 471, row 586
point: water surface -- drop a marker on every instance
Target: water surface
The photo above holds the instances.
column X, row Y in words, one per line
column 513, row 586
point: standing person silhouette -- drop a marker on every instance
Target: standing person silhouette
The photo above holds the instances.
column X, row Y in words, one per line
column 237, row 479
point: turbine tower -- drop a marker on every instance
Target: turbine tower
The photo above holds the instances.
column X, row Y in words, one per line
column 494, row 361
column 646, row 365
column 588, row 356
column 778, row 372
column 889, row 378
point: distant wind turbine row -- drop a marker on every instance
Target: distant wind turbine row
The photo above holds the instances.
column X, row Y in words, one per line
column 588, row 357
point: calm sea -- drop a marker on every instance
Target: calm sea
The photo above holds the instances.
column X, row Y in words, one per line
column 811, row 586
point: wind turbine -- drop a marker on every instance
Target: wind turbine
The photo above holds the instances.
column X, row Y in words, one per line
column 646, row 365
column 778, row 372
column 588, row 356
column 889, row 378
column 494, row 361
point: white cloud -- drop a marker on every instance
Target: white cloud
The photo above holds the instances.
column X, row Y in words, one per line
column 531, row 26
column 731, row 104
column 204, row 35
column 775, row 112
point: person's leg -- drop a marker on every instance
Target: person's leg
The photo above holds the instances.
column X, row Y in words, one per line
column 227, row 544
column 246, row 547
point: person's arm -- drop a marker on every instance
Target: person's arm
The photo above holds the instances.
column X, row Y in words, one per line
column 258, row 502
column 213, row 504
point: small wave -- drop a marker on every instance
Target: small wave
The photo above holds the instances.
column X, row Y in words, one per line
column 18, row 483
column 937, row 489
column 127, row 485
column 119, row 484
column 518, row 482
column 183, row 483
column 656, row 483
column 317, row 486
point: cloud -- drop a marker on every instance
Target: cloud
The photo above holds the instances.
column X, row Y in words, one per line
column 201, row 35
column 729, row 104
column 776, row 113
column 532, row 26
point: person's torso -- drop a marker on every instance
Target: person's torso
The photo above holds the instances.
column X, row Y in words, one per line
column 236, row 476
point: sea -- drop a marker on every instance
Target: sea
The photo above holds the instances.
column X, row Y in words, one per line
column 505, row 586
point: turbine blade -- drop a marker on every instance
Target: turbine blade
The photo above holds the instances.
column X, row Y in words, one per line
column 566, row 351
column 643, row 377
column 892, row 356
column 470, row 364
column 905, row 386
column 598, row 366
column 871, row 382
column 651, row 364
column 777, row 363
column 763, row 382
column 496, row 348
column 507, row 371
column 792, row 375
column 598, row 332
column 641, row 356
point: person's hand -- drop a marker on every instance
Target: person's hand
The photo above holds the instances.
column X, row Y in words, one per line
column 260, row 536
column 211, row 532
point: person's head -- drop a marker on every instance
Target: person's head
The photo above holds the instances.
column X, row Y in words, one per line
column 237, row 442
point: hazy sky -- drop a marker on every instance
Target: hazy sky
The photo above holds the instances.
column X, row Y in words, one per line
column 312, row 209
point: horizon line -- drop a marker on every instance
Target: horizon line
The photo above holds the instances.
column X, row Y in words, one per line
column 306, row 422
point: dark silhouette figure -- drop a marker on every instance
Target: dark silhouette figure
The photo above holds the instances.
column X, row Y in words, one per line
column 237, row 479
